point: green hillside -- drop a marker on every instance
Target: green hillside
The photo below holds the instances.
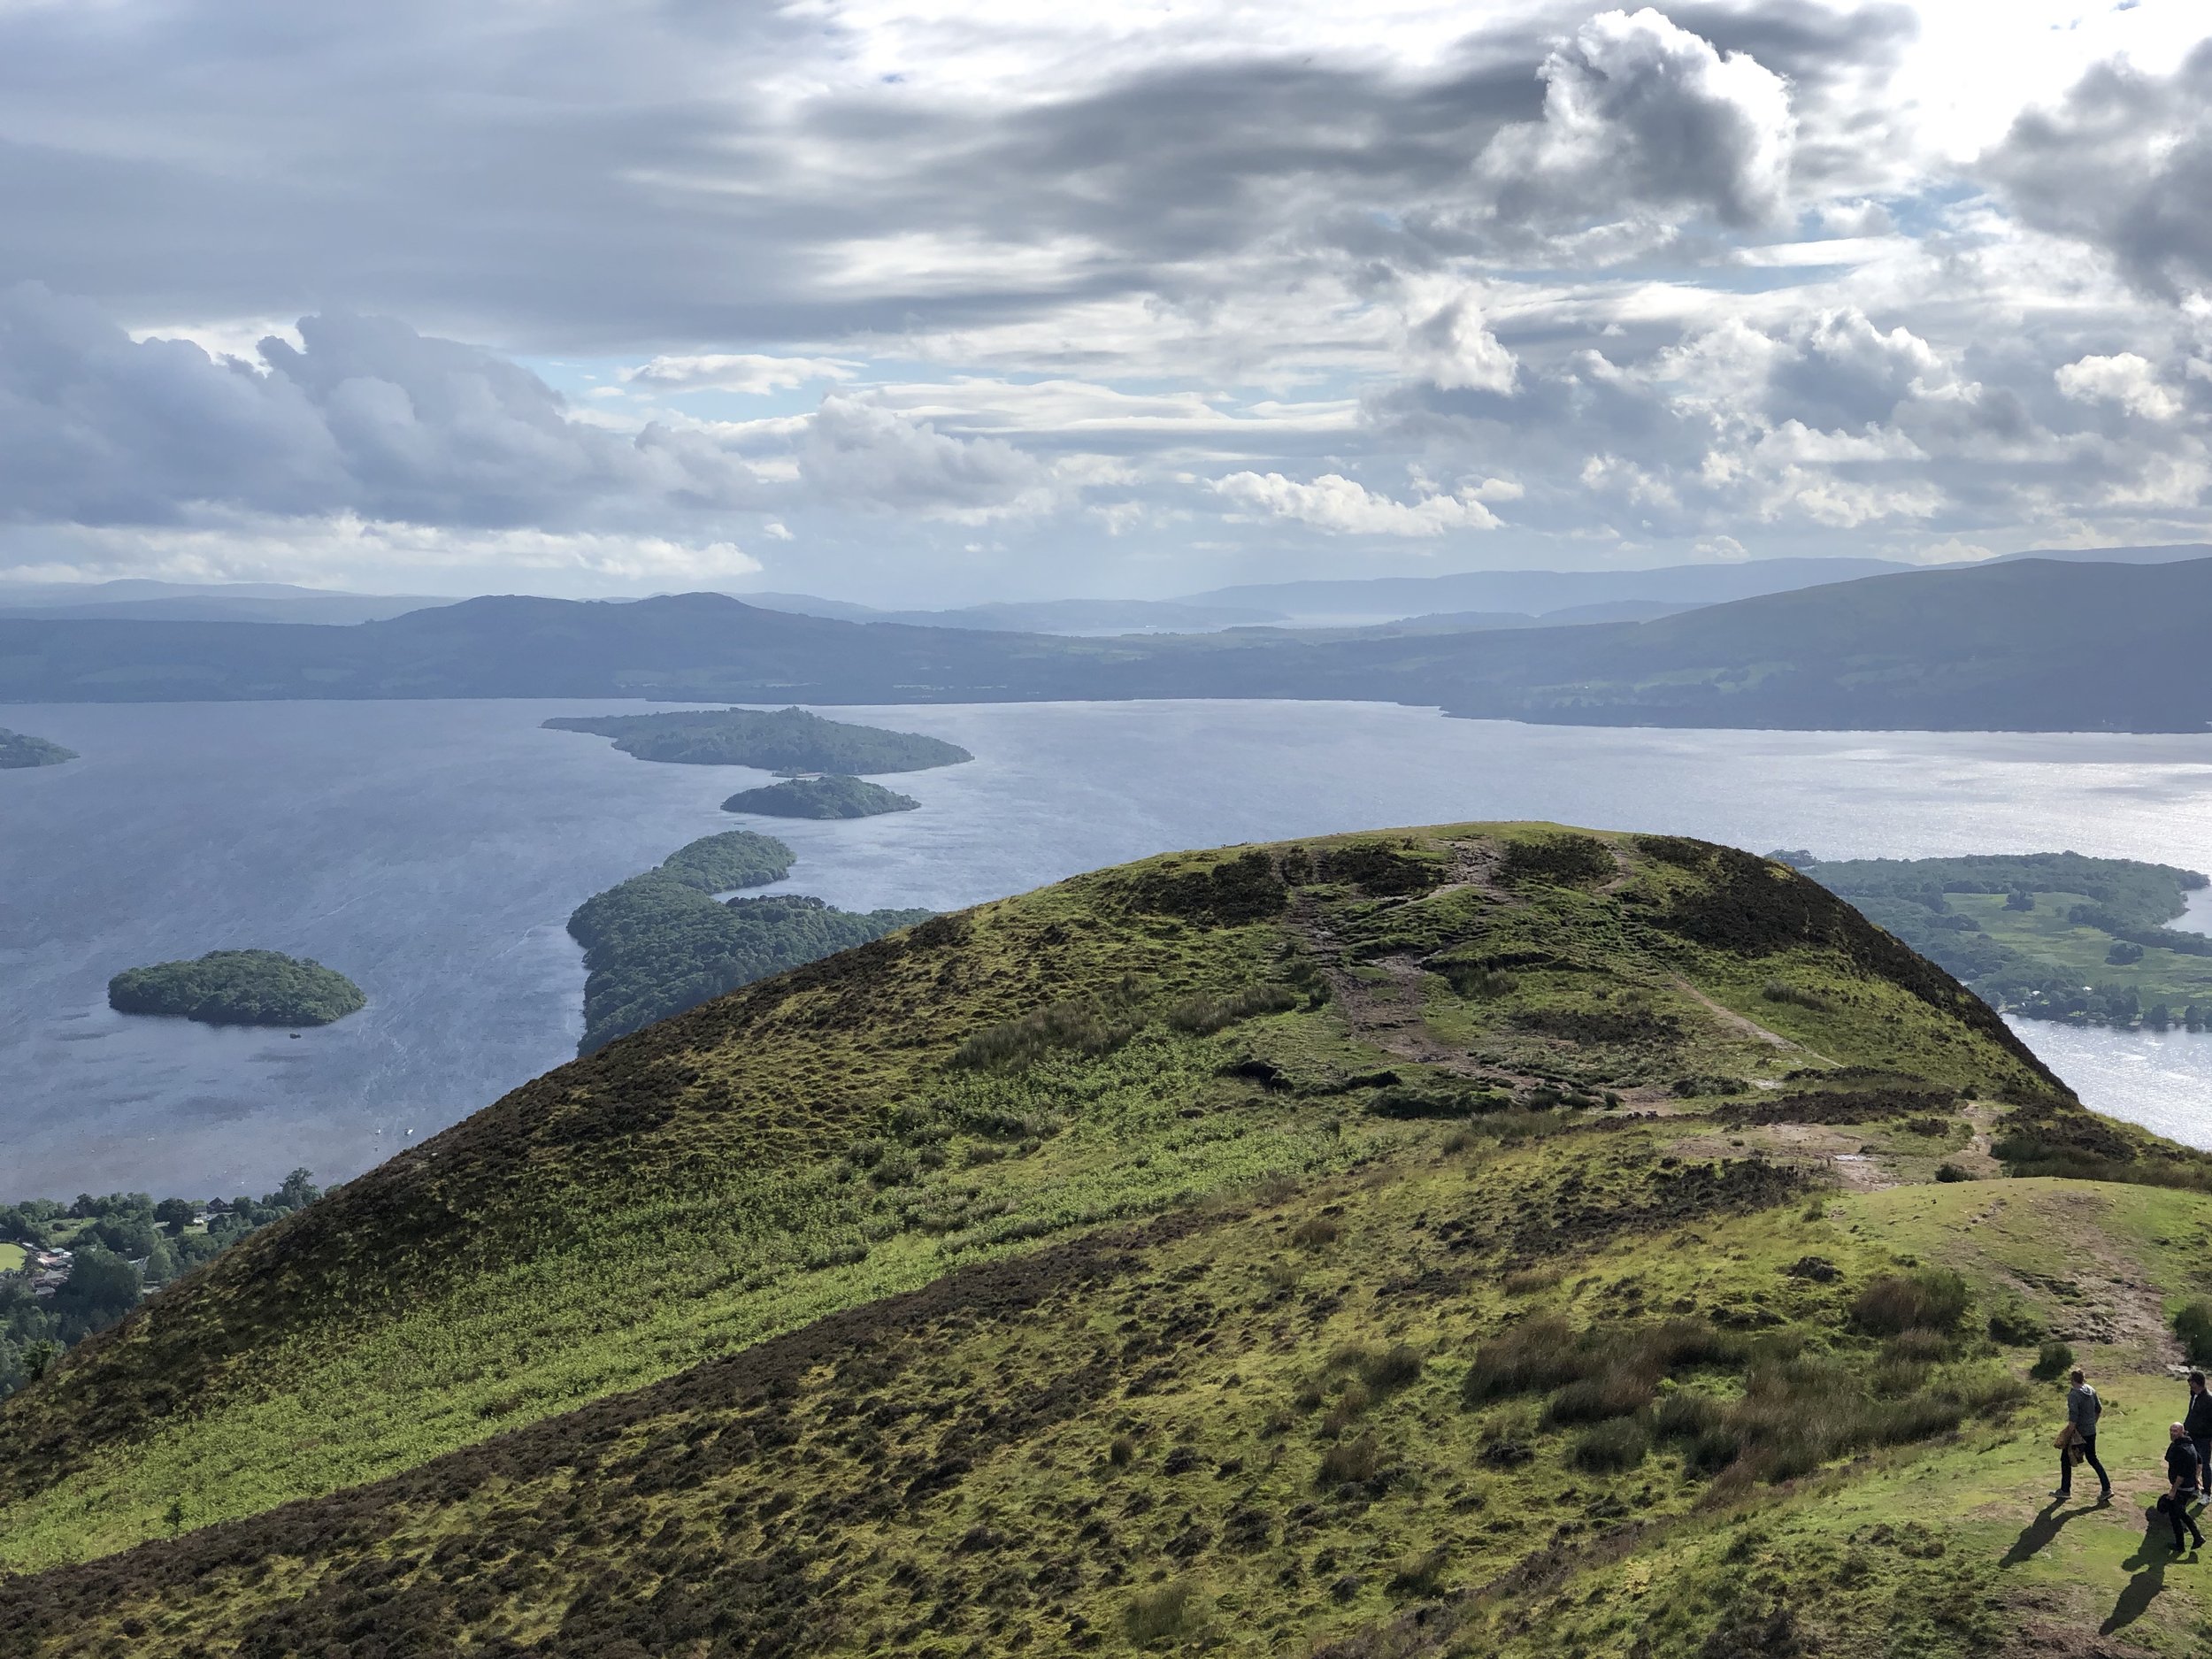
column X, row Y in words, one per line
column 1484, row 1239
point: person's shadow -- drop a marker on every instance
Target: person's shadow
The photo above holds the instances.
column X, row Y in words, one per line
column 2141, row 1590
column 2044, row 1528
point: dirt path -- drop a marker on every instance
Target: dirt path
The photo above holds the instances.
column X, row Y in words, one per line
column 1744, row 1025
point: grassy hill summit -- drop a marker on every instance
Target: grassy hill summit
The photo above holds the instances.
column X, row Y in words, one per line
column 1483, row 1239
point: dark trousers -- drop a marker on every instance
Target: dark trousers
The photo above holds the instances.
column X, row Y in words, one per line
column 2086, row 1445
column 2177, row 1510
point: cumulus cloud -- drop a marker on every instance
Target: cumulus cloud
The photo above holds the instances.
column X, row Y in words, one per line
column 858, row 452
column 1451, row 349
column 2124, row 162
column 1643, row 117
column 364, row 416
column 1342, row 506
column 2124, row 380
column 1679, row 269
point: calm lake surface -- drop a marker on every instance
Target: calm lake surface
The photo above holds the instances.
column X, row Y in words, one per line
column 433, row 851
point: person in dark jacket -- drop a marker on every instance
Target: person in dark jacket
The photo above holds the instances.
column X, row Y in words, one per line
column 2083, row 1408
column 2197, row 1420
column 2183, row 1480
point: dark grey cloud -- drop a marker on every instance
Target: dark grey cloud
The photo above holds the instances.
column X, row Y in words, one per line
column 566, row 177
column 2125, row 163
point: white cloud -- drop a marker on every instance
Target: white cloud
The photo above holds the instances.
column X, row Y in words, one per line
column 744, row 373
column 1642, row 117
column 2124, row 380
column 346, row 551
column 860, row 454
column 1342, row 506
column 1452, row 348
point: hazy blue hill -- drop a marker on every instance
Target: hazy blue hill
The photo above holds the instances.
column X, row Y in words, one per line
column 1539, row 591
column 2033, row 645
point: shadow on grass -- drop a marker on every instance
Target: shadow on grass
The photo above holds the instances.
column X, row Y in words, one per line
column 2150, row 1560
column 2043, row 1529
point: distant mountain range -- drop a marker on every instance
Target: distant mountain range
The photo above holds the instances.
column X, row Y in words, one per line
column 139, row 600
column 2031, row 645
column 1462, row 603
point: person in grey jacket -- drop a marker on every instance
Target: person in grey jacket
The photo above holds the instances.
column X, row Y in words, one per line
column 2083, row 1408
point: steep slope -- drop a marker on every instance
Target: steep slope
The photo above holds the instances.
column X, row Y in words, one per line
column 1118, row 1046
column 1604, row 1392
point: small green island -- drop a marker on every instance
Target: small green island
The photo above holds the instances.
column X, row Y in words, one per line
column 820, row 798
column 17, row 751
column 662, row 942
column 238, row 988
column 787, row 740
column 2044, row 935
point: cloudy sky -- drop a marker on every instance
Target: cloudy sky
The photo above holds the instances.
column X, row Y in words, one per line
column 931, row 301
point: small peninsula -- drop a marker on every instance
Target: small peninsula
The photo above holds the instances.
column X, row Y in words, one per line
column 2052, row 936
column 238, row 988
column 821, row 798
column 17, row 751
column 660, row 943
column 788, row 740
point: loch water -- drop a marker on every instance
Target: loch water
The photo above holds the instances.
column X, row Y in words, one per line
column 433, row 851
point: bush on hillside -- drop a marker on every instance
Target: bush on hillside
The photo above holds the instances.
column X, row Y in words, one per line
column 1564, row 861
column 2016, row 1324
column 1927, row 1299
column 1157, row 1613
column 2053, row 1361
column 2193, row 1323
column 1606, row 1447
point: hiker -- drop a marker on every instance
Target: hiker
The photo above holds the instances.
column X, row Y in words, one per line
column 2083, row 1408
column 2198, row 1421
column 2182, row 1482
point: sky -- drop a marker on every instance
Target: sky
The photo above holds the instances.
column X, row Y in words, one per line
column 916, row 302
